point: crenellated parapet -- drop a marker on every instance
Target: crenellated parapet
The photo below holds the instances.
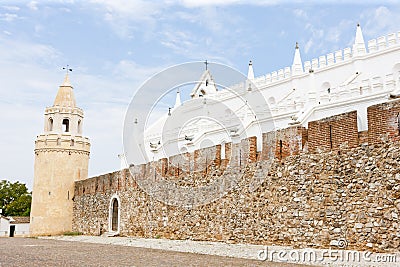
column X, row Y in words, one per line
column 336, row 134
column 60, row 109
column 62, row 143
column 332, row 59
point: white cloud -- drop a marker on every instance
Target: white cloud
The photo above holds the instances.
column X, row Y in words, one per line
column 23, row 51
column 9, row 17
column 33, row 5
column 120, row 14
column 11, row 8
column 202, row 3
column 380, row 20
column 300, row 13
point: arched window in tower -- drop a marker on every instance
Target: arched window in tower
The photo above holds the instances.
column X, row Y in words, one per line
column 65, row 124
column 79, row 126
column 50, row 124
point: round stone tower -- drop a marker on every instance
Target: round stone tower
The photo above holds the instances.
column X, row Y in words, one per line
column 61, row 158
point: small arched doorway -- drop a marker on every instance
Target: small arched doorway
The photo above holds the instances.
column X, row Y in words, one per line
column 114, row 220
column 114, row 215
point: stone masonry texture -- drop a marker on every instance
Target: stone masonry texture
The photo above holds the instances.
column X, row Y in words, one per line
column 306, row 199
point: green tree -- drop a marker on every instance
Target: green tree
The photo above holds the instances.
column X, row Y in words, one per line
column 15, row 200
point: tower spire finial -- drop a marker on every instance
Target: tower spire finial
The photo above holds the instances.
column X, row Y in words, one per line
column 66, row 79
column 205, row 62
column 68, row 69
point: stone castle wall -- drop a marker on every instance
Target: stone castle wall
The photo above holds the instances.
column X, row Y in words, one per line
column 349, row 191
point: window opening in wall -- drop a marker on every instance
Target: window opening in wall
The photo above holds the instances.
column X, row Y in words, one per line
column 330, row 136
column 79, row 126
column 280, row 149
column 68, row 195
column 240, row 158
column 114, row 220
column 50, row 124
column 206, row 165
column 65, row 124
column 72, row 142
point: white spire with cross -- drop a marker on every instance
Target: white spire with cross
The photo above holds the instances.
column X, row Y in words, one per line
column 297, row 67
column 177, row 99
column 250, row 72
column 359, row 44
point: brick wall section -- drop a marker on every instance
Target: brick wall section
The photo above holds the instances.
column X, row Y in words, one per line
column 333, row 132
column 383, row 121
column 228, row 154
column 205, row 158
column 284, row 142
column 268, row 145
column 248, row 150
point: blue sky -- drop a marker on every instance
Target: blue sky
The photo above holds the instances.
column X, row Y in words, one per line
column 113, row 46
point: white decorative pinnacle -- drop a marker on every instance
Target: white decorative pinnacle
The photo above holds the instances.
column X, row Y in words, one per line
column 178, row 99
column 359, row 44
column 250, row 72
column 297, row 67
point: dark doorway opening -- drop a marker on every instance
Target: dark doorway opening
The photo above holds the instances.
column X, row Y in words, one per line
column 12, row 230
column 114, row 221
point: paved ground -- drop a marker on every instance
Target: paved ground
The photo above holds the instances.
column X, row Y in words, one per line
column 322, row 257
column 40, row 252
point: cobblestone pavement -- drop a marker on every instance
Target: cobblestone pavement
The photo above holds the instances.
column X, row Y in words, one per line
column 43, row 252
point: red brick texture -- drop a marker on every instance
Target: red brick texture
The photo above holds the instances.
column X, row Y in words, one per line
column 332, row 133
column 284, row 142
column 383, row 121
